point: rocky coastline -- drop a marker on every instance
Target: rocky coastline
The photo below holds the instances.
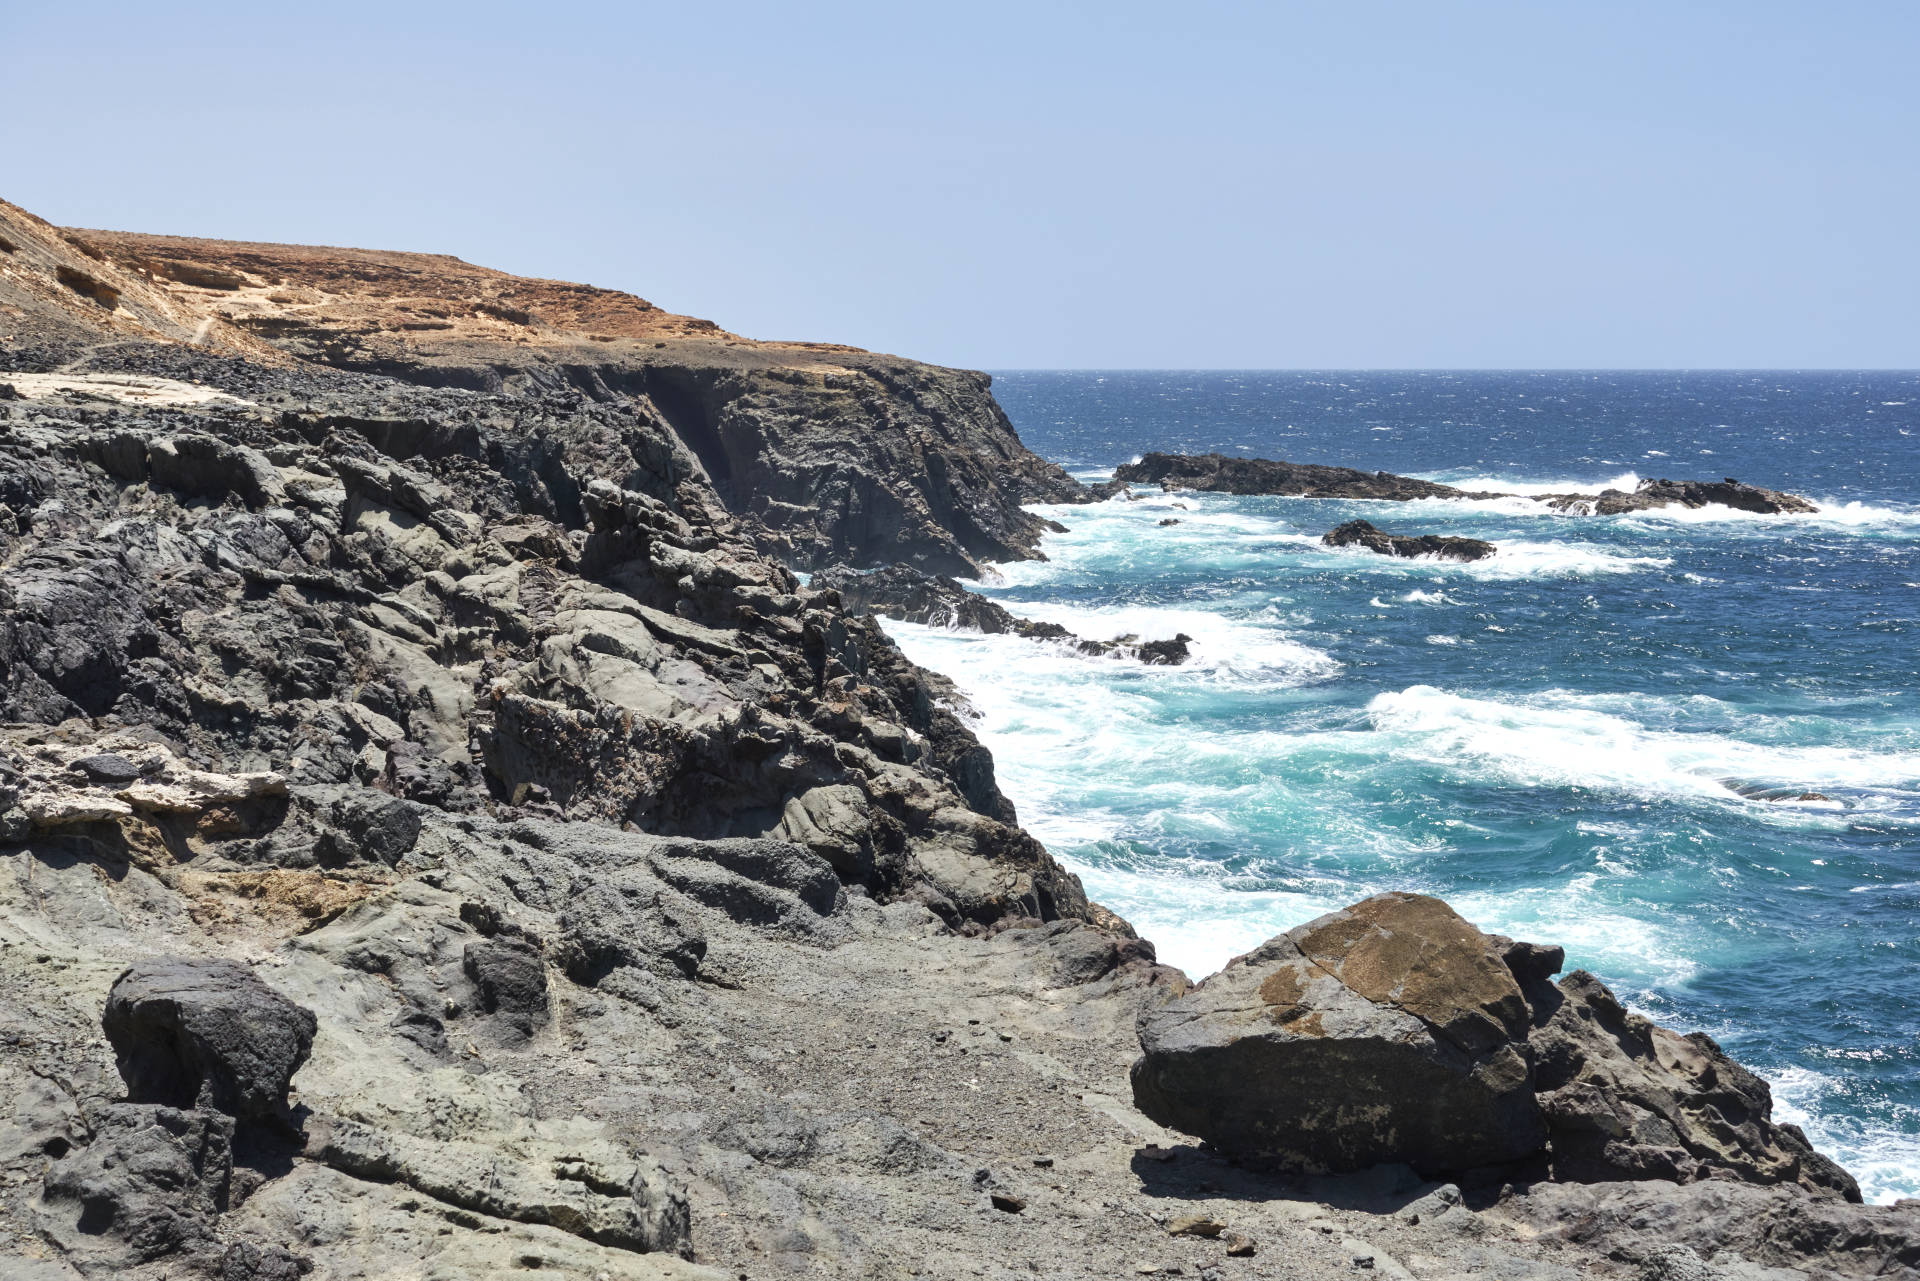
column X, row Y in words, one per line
column 440, row 836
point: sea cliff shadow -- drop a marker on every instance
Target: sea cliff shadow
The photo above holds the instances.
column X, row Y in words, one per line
column 1197, row 1173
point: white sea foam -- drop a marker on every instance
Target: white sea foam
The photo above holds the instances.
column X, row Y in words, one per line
column 1537, row 743
column 1882, row 1156
column 1559, row 560
column 1639, row 952
column 1219, row 646
column 1628, row 481
column 1512, row 560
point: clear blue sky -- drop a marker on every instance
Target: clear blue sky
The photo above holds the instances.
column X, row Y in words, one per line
column 1345, row 184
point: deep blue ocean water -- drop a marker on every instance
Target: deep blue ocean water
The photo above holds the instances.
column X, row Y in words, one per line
column 1559, row 740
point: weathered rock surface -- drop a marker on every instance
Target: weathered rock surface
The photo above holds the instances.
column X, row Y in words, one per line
column 1459, row 1052
column 150, row 1182
column 905, row 593
column 825, row 453
column 1360, row 533
column 1385, row 1033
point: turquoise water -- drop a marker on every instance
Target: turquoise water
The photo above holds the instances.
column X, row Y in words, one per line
column 1559, row 740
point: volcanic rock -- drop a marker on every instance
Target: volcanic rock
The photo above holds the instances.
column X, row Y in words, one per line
column 1219, row 473
column 206, row 1033
column 152, row 1181
column 1359, row 533
column 449, row 620
column 1392, row 1010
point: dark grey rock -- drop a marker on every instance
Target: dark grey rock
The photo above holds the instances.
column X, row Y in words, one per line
column 511, row 979
column 151, row 1182
column 107, row 769
column 1463, row 1053
column 206, row 1033
column 1652, row 494
column 909, row 595
column 1394, row 1010
column 1219, row 473
column 247, row 1261
column 1360, row 533
column 611, row 926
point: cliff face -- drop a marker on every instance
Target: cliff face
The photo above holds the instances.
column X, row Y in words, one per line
column 529, row 596
column 826, row 454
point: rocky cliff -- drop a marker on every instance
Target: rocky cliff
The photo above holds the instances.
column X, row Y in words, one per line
column 441, row 837
column 824, row 453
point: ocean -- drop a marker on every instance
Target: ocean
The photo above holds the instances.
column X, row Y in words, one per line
column 1564, row 741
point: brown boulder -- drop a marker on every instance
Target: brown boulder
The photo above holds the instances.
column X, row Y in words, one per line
column 1392, row 1031
column 1396, row 1031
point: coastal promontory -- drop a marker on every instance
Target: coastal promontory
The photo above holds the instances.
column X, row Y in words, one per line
column 443, row 835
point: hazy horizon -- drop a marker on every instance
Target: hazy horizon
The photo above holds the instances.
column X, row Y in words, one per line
column 1496, row 186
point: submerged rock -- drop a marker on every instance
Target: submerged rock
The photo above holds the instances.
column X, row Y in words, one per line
column 1359, row 533
column 1394, row 1031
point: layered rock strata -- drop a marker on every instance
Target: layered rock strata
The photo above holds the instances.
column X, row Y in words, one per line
column 823, row 453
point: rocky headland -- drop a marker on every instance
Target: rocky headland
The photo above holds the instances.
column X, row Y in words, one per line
column 440, row 836
column 1218, row 473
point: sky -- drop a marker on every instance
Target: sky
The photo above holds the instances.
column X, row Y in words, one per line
column 1353, row 184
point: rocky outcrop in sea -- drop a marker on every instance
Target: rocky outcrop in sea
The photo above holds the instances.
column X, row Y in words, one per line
column 1218, row 473
column 1360, row 533
column 441, row 836
column 904, row 593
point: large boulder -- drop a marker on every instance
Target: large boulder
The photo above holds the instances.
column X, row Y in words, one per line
column 1392, row 1031
column 1395, row 1031
column 206, row 1033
